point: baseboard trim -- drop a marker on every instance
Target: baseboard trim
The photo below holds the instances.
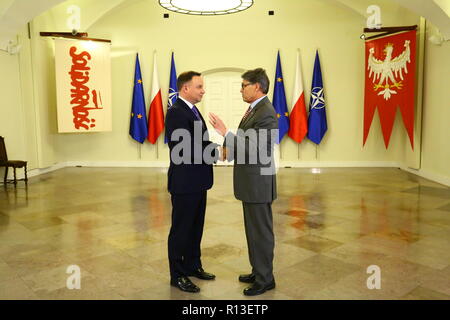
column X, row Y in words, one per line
column 339, row 164
column 283, row 164
column 37, row 171
column 429, row 175
column 112, row 164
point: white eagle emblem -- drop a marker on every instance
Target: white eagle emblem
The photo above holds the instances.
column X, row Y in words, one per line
column 389, row 70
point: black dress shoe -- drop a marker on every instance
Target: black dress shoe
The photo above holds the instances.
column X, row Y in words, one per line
column 257, row 289
column 184, row 284
column 202, row 274
column 247, row 278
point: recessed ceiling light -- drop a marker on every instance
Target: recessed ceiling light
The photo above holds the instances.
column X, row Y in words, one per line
column 206, row 7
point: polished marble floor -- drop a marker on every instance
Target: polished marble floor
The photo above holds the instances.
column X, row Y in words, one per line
column 329, row 228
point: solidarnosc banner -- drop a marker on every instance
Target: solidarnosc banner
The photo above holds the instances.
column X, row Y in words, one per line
column 83, row 85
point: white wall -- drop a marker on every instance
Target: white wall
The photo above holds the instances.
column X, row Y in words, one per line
column 11, row 110
column 11, row 126
column 246, row 40
column 436, row 112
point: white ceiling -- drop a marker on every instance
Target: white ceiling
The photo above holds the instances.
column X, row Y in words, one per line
column 15, row 14
column 436, row 11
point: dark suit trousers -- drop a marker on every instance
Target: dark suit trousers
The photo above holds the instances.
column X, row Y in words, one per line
column 188, row 217
column 260, row 239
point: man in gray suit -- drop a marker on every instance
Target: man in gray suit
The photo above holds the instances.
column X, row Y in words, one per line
column 254, row 177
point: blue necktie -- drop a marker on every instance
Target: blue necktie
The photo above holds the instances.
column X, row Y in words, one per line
column 197, row 114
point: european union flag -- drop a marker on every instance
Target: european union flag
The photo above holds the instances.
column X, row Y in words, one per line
column 317, row 120
column 279, row 102
column 138, row 123
column 173, row 91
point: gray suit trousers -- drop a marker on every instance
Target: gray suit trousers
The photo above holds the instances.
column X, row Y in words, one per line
column 260, row 240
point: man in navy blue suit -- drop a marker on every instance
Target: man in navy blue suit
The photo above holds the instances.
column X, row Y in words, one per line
column 190, row 176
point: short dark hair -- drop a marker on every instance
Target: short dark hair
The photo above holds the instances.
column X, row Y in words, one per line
column 258, row 76
column 186, row 77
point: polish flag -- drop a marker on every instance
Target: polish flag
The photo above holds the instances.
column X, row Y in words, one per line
column 155, row 114
column 298, row 126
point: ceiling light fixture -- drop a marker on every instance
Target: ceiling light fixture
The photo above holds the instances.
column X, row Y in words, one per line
column 206, row 7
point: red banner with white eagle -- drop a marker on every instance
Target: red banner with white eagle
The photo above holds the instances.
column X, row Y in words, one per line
column 390, row 83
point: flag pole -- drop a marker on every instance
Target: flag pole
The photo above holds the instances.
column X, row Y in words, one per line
column 140, row 151
column 281, row 154
column 317, row 147
column 157, row 152
column 298, row 144
column 154, row 57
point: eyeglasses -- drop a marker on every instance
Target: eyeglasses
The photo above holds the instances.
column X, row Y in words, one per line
column 243, row 85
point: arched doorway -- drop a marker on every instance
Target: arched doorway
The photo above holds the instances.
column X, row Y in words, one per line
column 223, row 98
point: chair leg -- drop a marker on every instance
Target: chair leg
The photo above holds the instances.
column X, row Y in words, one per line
column 15, row 178
column 26, row 177
column 6, row 176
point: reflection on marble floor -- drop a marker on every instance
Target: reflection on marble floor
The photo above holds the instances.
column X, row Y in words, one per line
column 329, row 227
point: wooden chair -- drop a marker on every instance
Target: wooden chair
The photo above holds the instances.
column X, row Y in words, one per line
column 4, row 162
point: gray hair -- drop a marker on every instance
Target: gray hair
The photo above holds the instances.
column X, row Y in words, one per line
column 258, row 76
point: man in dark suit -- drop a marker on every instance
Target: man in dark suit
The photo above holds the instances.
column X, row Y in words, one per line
column 254, row 177
column 190, row 175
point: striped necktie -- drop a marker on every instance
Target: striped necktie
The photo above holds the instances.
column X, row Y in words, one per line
column 246, row 113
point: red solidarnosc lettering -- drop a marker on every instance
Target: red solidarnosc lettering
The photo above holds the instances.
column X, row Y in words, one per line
column 79, row 74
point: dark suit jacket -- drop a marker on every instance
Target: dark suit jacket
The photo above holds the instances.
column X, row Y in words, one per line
column 250, row 184
column 197, row 174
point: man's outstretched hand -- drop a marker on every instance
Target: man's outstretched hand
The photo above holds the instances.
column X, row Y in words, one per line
column 217, row 124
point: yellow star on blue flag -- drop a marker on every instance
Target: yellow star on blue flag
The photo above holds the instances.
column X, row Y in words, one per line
column 138, row 124
column 279, row 102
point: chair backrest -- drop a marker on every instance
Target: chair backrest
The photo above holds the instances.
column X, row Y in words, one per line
column 3, row 154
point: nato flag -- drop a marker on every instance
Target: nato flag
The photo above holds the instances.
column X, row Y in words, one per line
column 279, row 102
column 138, row 123
column 317, row 120
column 173, row 91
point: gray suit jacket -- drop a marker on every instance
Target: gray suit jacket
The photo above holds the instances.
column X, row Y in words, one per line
column 251, row 148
